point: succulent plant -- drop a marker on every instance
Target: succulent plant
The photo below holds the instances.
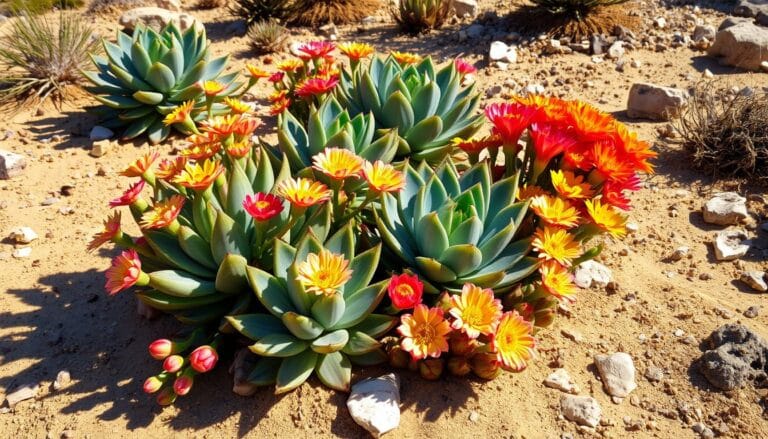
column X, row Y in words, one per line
column 146, row 76
column 429, row 108
column 331, row 126
column 415, row 16
column 320, row 316
column 252, row 11
column 268, row 36
column 454, row 229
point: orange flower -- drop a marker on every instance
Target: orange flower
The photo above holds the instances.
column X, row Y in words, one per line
column 475, row 145
column 168, row 168
column 405, row 58
column 606, row 218
column 180, row 114
column 557, row 244
column 549, row 141
column 163, row 213
column 129, row 196
column 609, row 164
column 255, row 72
column 201, row 146
column 425, row 332
column 245, row 125
column 338, row 163
column 513, row 341
column 197, row 177
column 590, row 123
column 277, row 96
column 557, row 280
column 548, row 108
column 570, row 185
column 141, row 165
column 324, row 273
column 212, row 88
column 237, row 106
column 290, row 65
column 476, row 311
column 383, row 177
column 111, row 231
column 356, row 51
column 221, row 125
column 315, row 86
column 527, row 192
column 303, row 192
column 279, row 106
column 639, row 151
column 239, row 149
column 125, row 272
column 555, row 211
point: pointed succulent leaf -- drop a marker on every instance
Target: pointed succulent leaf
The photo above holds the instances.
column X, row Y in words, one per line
column 363, row 267
column 342, row 242
column 180, row 283
column 375, row 325
column 227, row 237
column 434, row 270
column 462, row 259
column 301, row 326
column 372, row 358
column 257, row 326
column 269, row 291
column 360, row 343
column 196, row 247
column 278, row 345
column 294, row 371
column 168, row 249
column 331, row 342
column 432, row 237
column 361, row 304
column 328, row 309
column 335, row 371
column 397, row 113
column 264, row 372
column 232, row 277
column 165, row 302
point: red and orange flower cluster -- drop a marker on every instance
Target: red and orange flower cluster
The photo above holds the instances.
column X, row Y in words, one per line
column 467, row 332
column 178, row 373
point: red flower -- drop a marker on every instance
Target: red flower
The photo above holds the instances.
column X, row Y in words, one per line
column 203, row 359
column 160, row 348
column 463, row 67
column 510, row 120
column 613, row 191
column 152, row 385
column 173, row 363
column 276, row 77
column 183, row 384
column 129, row 196
column 262, row 206
column 315, row 86
column 315, row 49
column 405, row 291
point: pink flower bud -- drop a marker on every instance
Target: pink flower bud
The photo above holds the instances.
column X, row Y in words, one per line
column 203, row 359
column 152, row 385
column 183, row 385
column 173, row 363
column 166, row 396
column 160, row 348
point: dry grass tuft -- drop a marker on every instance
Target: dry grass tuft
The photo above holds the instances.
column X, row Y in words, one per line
column 319, row 12
column 210, row 4
column 116, row 6
column 268, row 36
column 533, row 20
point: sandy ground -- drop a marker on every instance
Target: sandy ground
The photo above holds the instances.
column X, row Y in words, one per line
column 54, row 314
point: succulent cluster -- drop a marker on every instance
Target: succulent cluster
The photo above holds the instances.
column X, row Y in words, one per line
column 416, row 16
column 313, row 250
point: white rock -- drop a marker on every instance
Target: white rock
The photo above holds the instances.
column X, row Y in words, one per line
column 743, row 45
column 171, row 5
column 649, row 101
column 374, row 404
column 755, row 279
column 465, row 7
column 616, row 50
column 156, row 18
column 583, row 410
column 63, row 379
column 729, row 245
column 23, row 252
column 11, row 164
column 678, row 254
column 560, row 380
column 99, row 132
column 23, row 235
column 498, row 51
column 617, row 372
column 22, row 393
column 100, row 148
column 592, row 273
column 725, row 208
column 660, row 22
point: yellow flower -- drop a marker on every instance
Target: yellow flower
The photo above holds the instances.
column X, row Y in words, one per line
column 169, row 168
column 606, row 218
column 527, row 192
column 212, row 88
column 570, row 185
column 290, row 65
column 355, row 51
column 338, row 163
column 557, row 280
column 180, row 114
column 256, row 72
column 383, row 177
column 325, row 273
column 303, row 192
column 163, row 214
column 425, row 333
column 237, row 106
column 201, row 146
column 199, row 177
column 557, row 244
column 405, row 58
column 555, row 211
column 476, row 311
column 513, row 341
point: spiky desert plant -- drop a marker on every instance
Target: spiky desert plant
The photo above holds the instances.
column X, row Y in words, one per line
column 210, row 4
column 416, row 16
column 254, row 11
column 268, row 36
column 318, row 12
column 146, row 76
column 114, row 6
column 40, row 56
column 576, row 8
column 320, row 301
column 40, row 6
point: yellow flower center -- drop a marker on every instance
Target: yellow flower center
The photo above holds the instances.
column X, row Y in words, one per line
column 424, row 335
column 404, row 290
column 262, row 204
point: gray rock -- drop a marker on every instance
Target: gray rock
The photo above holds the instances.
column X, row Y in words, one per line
column 100, row 148
column 703, row 431
column 737, row 357
column 63, row 379
column 725, row 209
column 592, row 273
column 156, row 18
column 475, row 31
column 22, row 235
column 752, row 312
column 755, row 280
column 729, row 245
column 654, row 374
column 464, row 8
column 21, row 253
column 27, row 391
column 11, row 164
column 616, row 50
column 744, row 45
column 561, row 380
column 583, row 410
column 99, row 132
column 655, row 102
column 171, row 5
column 617, row 372
column 701, row 32
column 374, row 404
column 750, row 8
column 733, row 21
column 762, row 18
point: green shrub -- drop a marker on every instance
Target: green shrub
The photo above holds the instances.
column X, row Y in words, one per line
column 416, row 16
column 40, row 56
column 253, row 11
column 38, row 6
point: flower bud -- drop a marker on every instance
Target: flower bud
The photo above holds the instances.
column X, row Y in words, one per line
column 166, row 396
column 543, row 317
column 161, row 348
column 525, row 310
column 203, row 359
column 413, row 365
column 458, row 366
column 183, row 384
column 444, row 302
column 173, row 363
column 398, row 357
column 485, row 366
column 152, row 384
column 432, row 368
column 461, row 344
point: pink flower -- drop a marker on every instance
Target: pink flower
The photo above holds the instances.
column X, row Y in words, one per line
column 315, row 86
column 203, row 359
column 183, row 384
column 129, row 196
column 160, row 348
column 315, row 49
column 405, row 291
column 125, row 272
column 152, row 385
column 463, row 67
column 262, row 206
column 173, row 363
